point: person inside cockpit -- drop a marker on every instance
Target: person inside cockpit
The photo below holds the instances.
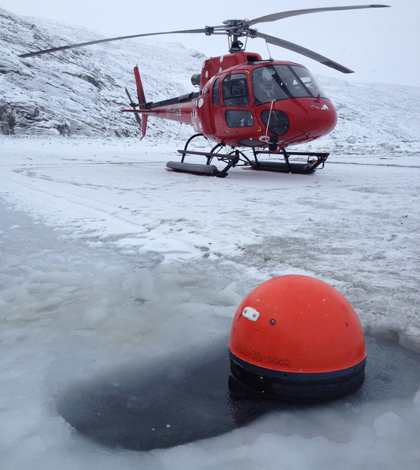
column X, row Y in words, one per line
column 263, row 86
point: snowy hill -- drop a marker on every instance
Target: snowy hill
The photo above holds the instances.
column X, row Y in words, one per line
column 372, row 116
column 81, row 92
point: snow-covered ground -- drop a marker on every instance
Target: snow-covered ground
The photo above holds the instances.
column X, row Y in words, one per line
column 109, row 261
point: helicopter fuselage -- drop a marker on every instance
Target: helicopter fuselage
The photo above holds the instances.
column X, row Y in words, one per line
column 244, row 101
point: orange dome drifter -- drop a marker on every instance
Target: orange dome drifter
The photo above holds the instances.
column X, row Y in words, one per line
column 296, row 337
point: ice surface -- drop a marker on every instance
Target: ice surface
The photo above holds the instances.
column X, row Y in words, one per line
column 116, row 269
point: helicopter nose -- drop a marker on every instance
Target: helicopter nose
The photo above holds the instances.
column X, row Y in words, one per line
column 311, row 118
column 314, row 117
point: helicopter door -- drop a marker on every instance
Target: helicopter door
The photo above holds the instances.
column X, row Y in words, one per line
column 235, row 95
column 216, row 114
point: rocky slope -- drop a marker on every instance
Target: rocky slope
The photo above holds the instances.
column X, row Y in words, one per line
column 81, row 92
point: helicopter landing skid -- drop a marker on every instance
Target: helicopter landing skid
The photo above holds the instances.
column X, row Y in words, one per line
column 314, row 160
column 194, row 168
column 210, row 170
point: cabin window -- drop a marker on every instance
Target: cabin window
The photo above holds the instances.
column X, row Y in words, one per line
column 215, row 93
column 235, row 90
column 238, row 118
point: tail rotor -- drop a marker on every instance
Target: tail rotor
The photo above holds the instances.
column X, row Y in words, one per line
column 134, row 106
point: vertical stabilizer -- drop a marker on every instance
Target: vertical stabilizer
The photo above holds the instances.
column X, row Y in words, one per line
column 142, row 100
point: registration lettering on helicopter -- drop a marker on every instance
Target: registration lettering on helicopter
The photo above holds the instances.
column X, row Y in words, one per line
column 173, row 111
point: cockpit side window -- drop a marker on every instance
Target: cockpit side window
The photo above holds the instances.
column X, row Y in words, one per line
column 235, row 90
column 308, row 81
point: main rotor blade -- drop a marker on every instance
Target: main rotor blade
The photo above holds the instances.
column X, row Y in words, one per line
column 287, row 14
column 302, row 50
column 89, row 43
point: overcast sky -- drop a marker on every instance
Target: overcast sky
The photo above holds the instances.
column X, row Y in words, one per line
column 380, row 45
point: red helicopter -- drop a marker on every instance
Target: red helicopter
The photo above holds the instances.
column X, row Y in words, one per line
column 246, row 102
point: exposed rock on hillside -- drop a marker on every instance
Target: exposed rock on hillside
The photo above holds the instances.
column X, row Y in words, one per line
column 81, row 92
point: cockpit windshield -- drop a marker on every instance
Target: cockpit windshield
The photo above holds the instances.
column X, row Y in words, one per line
column 279, row 82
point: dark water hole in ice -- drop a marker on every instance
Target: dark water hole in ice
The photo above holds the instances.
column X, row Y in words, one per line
column 183, row 400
